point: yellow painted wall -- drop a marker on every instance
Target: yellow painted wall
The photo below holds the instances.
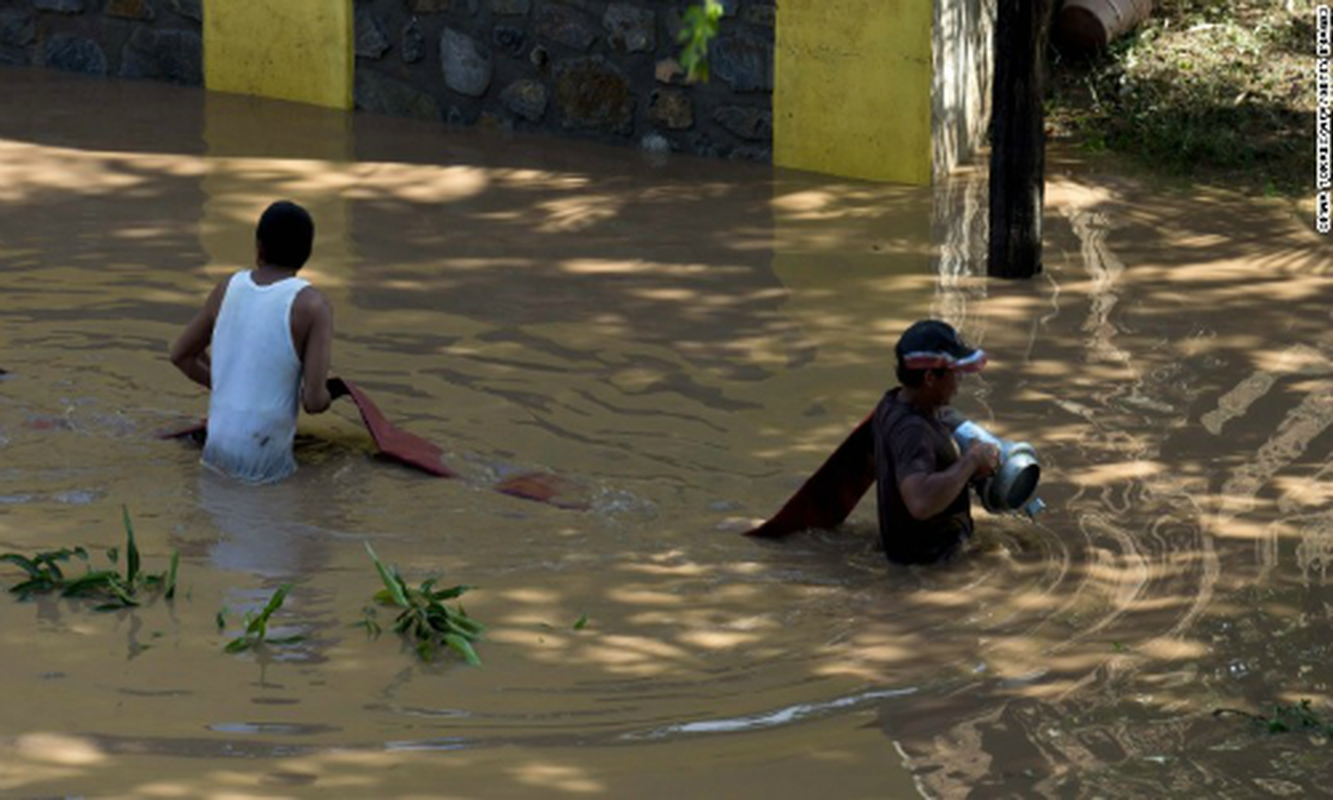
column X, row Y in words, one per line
column 297, row 50
column 852, row 88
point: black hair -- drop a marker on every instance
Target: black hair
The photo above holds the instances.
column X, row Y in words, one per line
column 287, row 234
column 913, row 378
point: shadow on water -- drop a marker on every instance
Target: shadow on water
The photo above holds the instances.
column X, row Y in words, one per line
column 687, row 340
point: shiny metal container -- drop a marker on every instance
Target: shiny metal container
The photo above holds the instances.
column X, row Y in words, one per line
column 1013, row 487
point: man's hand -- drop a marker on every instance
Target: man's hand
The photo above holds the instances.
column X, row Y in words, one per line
column 984, row 459
column 337, row 388
column 929, row 494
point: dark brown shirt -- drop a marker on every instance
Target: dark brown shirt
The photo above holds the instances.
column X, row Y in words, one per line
column 908, row 442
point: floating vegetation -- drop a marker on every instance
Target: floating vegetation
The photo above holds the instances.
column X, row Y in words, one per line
column 115, row 591
column 1285, row 718
column 423, row 616
column 256, row 625
column 581, row 622
column 43, row 569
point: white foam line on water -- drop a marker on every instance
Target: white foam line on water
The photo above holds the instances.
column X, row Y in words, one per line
column 428, row 745
column 772, row 719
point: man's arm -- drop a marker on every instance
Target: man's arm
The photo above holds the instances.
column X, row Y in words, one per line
column 312, row 317
column 927, row 494
column 190, row 350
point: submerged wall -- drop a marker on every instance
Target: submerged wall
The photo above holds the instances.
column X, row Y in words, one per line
column 853, row 88
column 156, row 39
column 299, row 50
column 585, row 68
column 887, row 90
column 880, row 89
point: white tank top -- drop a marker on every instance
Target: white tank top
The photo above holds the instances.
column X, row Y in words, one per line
column 256, row 376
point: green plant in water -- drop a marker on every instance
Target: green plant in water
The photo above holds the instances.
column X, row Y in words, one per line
column 1285, row 718
column 423, row 616
column 700, row 24
column 256, row 625
column 43, row 570
column 116, row 591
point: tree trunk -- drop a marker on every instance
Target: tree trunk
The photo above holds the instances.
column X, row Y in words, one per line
column 1018, row 142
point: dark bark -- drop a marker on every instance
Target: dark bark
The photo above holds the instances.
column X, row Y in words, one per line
column 1018, row 142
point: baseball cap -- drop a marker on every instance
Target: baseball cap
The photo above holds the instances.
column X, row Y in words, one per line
column 932, row 344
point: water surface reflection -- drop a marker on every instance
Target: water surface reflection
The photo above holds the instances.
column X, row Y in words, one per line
column 686, row 342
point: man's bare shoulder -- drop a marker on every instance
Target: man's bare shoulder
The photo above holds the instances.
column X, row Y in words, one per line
column 215, row 297
column 312, row 303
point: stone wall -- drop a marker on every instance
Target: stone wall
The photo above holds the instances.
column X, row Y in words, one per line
column 596, row 69
column 593, row 69
column 586, row 68
column 155, row 39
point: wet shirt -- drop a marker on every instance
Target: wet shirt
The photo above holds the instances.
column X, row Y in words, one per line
column 906, row 443
column 253, row 407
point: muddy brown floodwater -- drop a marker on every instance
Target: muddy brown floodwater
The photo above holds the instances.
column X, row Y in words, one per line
column 684, row 340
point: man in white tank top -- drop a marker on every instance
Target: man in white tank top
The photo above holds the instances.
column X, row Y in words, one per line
column 261, row 344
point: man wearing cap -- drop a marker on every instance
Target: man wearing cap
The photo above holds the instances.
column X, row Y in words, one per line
column 921, row 477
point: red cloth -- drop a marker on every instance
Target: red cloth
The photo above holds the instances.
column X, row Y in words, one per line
column 390, row 441
column 418, row 453
column 544, row 488
column 829, row 495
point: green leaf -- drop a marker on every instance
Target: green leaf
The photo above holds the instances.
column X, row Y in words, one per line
column 222, row 618
column 293, row 639
column 473, row 628
column 274, row 603
column 451, row 593
column 121, row 592
column 423, row 618
column 171, row 574
column 238, row 645
column 93, row 580
column 22, row 562
column 463, row 647
column 40, row 584
column 131, row 549
column 370, row 624
column 699, row 27
column 390, row 578
column 581, row 622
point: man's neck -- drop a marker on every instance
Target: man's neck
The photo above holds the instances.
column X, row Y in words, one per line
column 919, row 400
column 265, row 274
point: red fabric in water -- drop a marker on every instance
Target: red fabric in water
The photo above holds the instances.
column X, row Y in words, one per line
column 390, row 441
column 418, row 453
column 544, row 488
column 830, row 494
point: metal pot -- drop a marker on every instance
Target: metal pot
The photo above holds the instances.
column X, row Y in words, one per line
column 1013, row 487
